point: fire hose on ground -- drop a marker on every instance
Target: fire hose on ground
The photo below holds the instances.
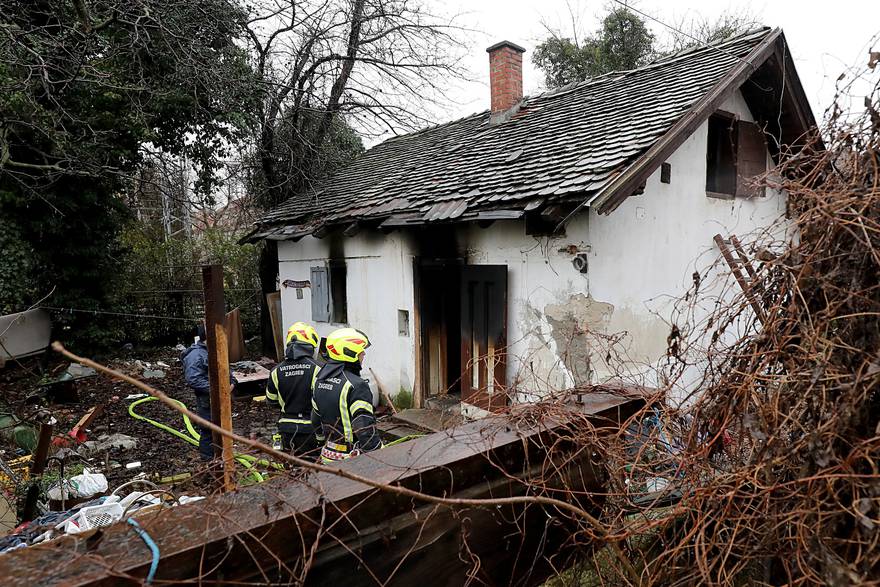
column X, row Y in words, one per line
column 193, row 436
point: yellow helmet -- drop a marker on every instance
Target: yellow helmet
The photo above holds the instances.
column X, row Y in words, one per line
column 346, row 344
column 302, row 332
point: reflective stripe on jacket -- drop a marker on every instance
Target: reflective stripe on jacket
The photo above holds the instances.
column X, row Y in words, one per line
column 342, row 410
column 290, row 384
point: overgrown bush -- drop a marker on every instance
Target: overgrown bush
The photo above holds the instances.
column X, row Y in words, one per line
column 163, row 279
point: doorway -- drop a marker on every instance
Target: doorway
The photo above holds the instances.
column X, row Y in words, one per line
column 439, row 307
column 462, row 333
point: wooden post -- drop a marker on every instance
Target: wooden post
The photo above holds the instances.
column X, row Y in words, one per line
column 218, row 368
column 38, row 464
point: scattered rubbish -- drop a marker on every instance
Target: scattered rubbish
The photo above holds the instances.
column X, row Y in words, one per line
column 24, row 334
column 113, row 441
column 655, row 484
column 153, row 374
column 133, row 465
column 180, row 348
column 14, row 472
column 136, row 396
column 78, row 431
column 138, row 499
column 185, row 499
column 23, row 435
column 259, row 398
column 175, row 478
column 89, row 517
column 163, row 365
column 78, row 371
column 84, row 485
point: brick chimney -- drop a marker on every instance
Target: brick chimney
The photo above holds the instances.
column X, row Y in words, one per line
column 505, row 77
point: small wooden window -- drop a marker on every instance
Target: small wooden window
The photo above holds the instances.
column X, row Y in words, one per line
column 751, row 158
column 666, row 173
column 736, row 154
column 329, row 295
column 320, row 295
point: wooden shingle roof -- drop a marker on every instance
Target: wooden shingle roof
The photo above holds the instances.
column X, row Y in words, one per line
column 564, row 146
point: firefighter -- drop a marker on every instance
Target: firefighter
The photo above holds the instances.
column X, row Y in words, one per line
column 290, row 388
column 342, row 403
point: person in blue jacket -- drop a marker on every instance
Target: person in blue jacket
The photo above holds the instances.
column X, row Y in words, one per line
column 195, row 371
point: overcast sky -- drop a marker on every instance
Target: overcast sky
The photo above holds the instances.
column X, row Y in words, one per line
column 825, row 38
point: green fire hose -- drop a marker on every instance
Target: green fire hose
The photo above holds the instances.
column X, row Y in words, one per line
column 247, row 461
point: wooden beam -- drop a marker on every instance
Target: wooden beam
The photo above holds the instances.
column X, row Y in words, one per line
column 38, row 464
column 218, row 368
column 352, row 229
column 746, row 286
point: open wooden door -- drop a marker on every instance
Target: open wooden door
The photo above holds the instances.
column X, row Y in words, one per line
column 484, row 336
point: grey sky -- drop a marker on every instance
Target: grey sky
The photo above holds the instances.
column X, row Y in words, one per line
column 826, row 38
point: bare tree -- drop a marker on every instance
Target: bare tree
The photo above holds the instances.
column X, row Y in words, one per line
column 326, row 68
column 691, row 31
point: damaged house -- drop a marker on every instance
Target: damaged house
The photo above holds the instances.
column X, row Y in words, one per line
column 483, row 255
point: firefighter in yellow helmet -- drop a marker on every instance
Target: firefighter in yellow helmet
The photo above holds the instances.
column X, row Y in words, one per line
column 342, row 403
column 290, row 388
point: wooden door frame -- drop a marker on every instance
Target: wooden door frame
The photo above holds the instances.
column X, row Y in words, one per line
column 419, row 387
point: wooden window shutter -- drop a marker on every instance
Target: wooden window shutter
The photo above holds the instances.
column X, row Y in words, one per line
column 751, row 158
column 320, row 295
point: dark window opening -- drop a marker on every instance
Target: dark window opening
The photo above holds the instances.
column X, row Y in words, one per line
column 736, row 156
column 338, row 295
column 539, row 225
column 329, row 298
column 666, row 173
column 721, row 155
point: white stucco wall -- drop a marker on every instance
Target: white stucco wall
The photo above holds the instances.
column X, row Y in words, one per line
column 379, row 282
column 644, row 254
column 641, row 257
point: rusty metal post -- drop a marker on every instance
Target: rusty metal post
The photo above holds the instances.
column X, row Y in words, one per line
column 218, row 367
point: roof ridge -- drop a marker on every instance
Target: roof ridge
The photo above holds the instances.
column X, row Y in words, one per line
column 665, row 59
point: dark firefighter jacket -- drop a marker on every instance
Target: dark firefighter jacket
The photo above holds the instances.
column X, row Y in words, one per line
column 290, row 384
column 195, row 368
column 342, row 408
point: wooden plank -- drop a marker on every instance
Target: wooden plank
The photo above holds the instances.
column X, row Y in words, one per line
column 218, row 368
column 737, row 274
column 751, row 159
column 78, row 431
column 235, row 335
column 274, row 301
column 420, row 386
column 38, row 464
column 484, row 335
